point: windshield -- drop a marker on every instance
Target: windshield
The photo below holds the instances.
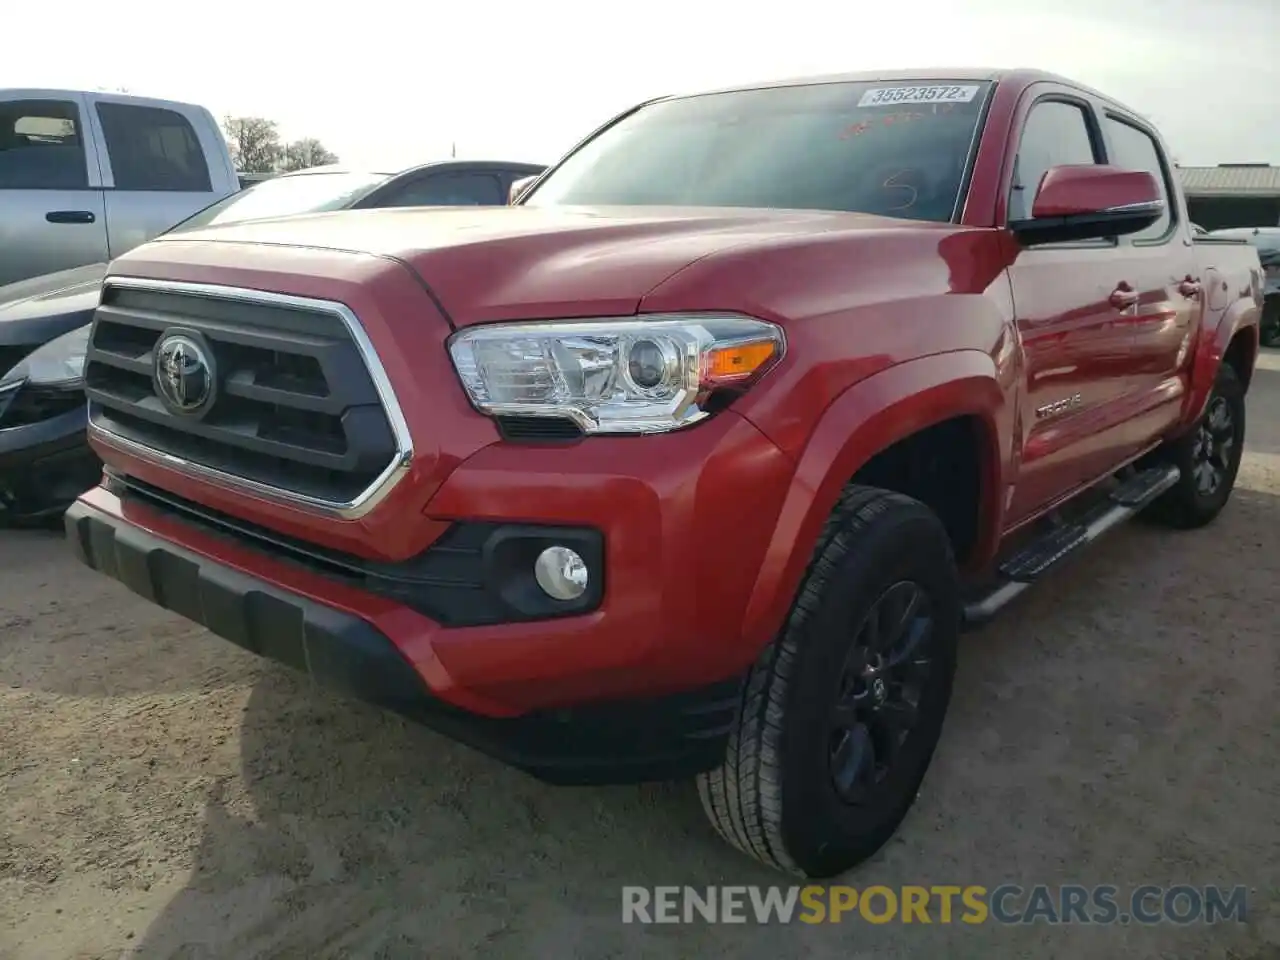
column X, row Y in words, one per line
column 1268, row 244
column 895, row 149
column 286, row 196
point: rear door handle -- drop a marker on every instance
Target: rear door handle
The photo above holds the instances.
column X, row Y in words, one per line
column 1124, row 296
column 1190, row 288
column 70, row 216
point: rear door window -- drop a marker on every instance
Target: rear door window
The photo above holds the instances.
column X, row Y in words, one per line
column 153, row 149
column 1133, row 149
column 448, row 190
column 41, row 146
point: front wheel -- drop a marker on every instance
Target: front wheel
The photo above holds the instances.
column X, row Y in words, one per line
column 841, row 714
column 1208, row 456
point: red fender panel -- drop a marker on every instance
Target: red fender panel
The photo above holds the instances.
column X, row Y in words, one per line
column 867, row 418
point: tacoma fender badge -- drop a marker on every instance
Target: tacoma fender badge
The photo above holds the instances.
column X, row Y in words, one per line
column 1059, row 407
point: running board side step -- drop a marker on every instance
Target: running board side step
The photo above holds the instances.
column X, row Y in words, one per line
column 1028, row 564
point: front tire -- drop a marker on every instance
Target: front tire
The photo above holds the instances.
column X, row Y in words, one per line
column 1208, row 456
column 841, row 714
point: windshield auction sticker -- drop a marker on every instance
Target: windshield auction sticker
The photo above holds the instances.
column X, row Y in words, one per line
column 892, row 96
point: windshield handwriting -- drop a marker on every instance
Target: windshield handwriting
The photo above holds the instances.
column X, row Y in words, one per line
column 892, row 183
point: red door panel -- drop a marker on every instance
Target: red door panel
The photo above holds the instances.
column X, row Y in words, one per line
column 1077, row 350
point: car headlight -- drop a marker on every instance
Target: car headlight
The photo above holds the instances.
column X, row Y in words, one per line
column 613, row 376
column 59, row 363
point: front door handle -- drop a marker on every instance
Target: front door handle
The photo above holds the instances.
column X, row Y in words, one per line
column 1124, row 296
column 70, row 216
column 1190, row 288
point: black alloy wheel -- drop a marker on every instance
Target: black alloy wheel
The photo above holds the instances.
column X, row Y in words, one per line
column 1208, row 457
column 880, row 689
column 1213, row 450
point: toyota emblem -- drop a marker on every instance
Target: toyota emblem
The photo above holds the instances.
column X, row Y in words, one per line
column 184, row 375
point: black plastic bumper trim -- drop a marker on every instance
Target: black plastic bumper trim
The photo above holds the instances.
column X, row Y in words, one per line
column 334, row 647
column 475, row 574
column 616, row 742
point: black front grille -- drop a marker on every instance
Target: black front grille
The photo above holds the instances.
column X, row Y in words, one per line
column 295, row 406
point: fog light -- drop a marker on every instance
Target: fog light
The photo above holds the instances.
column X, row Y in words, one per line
column 561, row 573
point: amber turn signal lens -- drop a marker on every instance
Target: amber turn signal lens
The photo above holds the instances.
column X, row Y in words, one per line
column 733, row 364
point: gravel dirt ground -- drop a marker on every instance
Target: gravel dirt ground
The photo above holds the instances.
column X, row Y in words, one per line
column 166, row 795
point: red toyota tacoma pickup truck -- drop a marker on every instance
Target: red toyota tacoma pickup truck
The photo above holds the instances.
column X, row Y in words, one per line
column 696, row 459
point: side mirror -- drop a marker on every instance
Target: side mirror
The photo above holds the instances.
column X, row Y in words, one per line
column 518, row 187
column 1089, row 201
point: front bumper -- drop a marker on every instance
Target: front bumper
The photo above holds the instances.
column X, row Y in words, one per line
column 642, row 685
column 626, row 741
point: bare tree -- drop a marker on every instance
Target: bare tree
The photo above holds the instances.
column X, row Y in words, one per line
column 304, row 153
column 254, row 143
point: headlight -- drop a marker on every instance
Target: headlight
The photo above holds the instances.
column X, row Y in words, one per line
column 59, row 363
column 613, row 376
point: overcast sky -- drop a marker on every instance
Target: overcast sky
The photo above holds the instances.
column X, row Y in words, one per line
column 392, row 83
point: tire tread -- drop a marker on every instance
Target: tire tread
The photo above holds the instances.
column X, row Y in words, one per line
column 743, row 797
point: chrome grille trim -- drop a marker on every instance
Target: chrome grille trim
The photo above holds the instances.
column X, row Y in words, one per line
column 352, row 509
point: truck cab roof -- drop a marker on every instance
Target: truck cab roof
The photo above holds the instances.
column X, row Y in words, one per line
column 55, row 93
column 1018, row 76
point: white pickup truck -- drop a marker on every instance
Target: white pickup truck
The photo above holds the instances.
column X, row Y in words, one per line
column 86, row 176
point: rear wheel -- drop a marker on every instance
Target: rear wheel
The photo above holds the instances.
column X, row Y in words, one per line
column 841, row 714
column 1208, row 456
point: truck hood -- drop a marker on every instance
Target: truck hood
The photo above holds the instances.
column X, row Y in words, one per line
column 34, row 311
column 486, row 264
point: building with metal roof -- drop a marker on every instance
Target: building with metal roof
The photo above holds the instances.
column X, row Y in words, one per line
column 1233, row 195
